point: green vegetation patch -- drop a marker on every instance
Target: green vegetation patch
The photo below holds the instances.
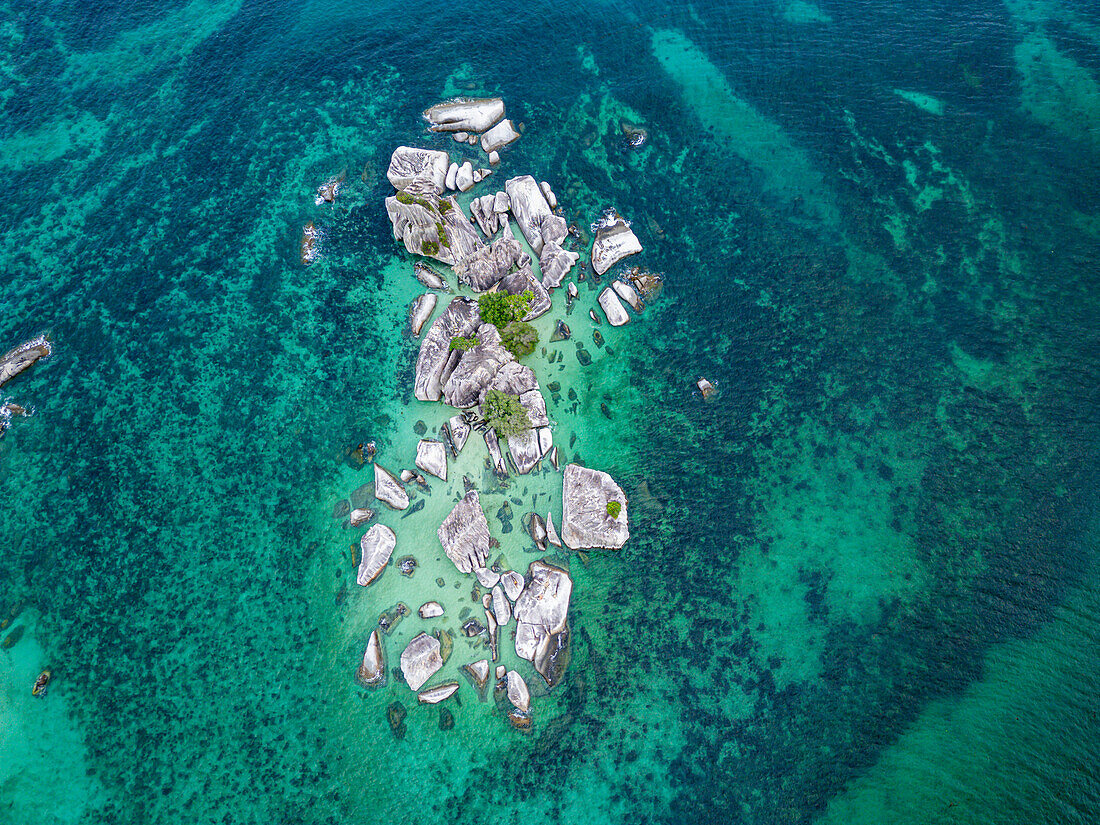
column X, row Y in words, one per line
column 500, row 309
column 464, row 344
column 519, row 338
column 505, row 414
column 614, row 508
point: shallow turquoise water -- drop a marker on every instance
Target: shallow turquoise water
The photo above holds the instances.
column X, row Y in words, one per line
column 862, row 580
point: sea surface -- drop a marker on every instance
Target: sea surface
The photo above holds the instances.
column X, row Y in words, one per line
column 863, row 582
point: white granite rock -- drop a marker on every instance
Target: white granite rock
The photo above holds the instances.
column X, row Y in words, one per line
column 360, row 515
column 555, row 264
column 522, row 280
column 501, row 203
column 429, row 610
column 551, row 533
column 572, row 290
column 585, row 520
column 459, row 430
column 512, row 582
column 614, row 241
column 501, row 609
column 460, row 137
column 429, row 277
column 408, row 164
column 486, row 267
column 431, row 457
column 464, row 179
column 501, row 670
column 614, row 310
column 465, row 114
column 548, row 193
column 494, row 157
column 420, row 311
column 705, row 387
column 627, row 293
column 451, row 181
column 494, row 634
column 486, row 577
column 421, row 660
column 478, row 672
column 518, row 694
column 492, row 444
column 538, row 224
column 435, row 695
column 476, row 368
column 542, row 610
column 372, row 672
column 464, row 534
column 389, row 490
column 375, row 547
column 432, row 226
column 499, row 136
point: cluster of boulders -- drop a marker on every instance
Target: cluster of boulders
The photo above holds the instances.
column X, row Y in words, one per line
column 485, row 254
column 13, row 362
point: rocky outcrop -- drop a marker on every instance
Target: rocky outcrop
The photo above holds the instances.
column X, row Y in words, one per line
column 548, row 193
column 512, row 378
column 464, row 177
column 501, row 609
column 23, row 357
column 531, row 445
column 465, row 115
column 499, row 136
column 518, row 694
column 429, row 610
column 478, row 674
column 421, row 660
column 372, row 671
column 464, row 534
column 431, row 457
column 360, row 516
column 705, row 387
column 614, row 241
column 551, row 532
column 585, row 520
column 536, row 221
column 429, row 277
column 431, row 226
column 435, row 695
column 512, row 582
column 524, row 279
column 555, row 264
column 409, row 164
column 420, row 311
column 476, row 368
column 627, row 293
column 375, row 549
column 460, row 318
column 486, row 577
column 487, row 266
column 492, row 444
column 388, row 489
column 541, row 612
column 458, row 431
column 614, row 310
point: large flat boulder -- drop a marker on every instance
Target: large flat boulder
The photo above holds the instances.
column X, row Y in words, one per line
column 431, row 457
column 460, row 318
column 465, row 114
column 555, row 264
column 476, row 369
column 431, row 226
column 499, row 136
column 613, row 308
column 464, row 534
column 512, row 378
column 542, row 610
column 388, row 489
column 420, row 311
column 408, row 164
column 485, row 267
column 420, row 660
column 614, row 241
column 375, row 550
column 585, row 520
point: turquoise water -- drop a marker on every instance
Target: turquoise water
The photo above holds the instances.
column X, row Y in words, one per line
column 862, row 580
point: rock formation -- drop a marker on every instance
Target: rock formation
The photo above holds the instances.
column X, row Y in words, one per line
column 435, row 695
column 501, row 609
column 555, row 264
column 483, row 269
column 499, row 136
column 431, row 226
column 429, row 277
column 541, row 612
column 420, row 311
column 372, row 672
column 431, row 457
column 429, row 610
column 464, row 534
column 536, row 221
column 476, row 368
column 465, row 115
column 585, row 520
column 614, row 241
column 458, row 430
column 519, row 282
column 389, row 490
column 22, row 357
column 375, row 549
column 512, row 582
column 627, row 293
column 614, row 310
column 421, row 660
column 460, row 318
column 518, row 694
column 408, row 164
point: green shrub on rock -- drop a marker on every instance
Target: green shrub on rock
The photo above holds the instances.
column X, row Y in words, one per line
column 500, row 309
column 614, row 508
column 519, row 338
column 505, row 414
column 464, row 344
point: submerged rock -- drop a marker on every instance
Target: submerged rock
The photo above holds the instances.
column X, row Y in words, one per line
column 420, row 660
column 460, row 318
column 648, row 284
column 464, row 534
column 431, row 457
column 388, row 489
column 614, row 241
column 375, row 547
column 437, row 694
column 389, row 619
column 420, row 311
column 396, row 714
column 612, row 308
column 561, row 332
column 372, row 671
column 406, row 565
column 465, row 115
column 585, row 520
column 478, row 674
column 409, row 164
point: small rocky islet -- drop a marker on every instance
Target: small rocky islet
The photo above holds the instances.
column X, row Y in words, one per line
column 485, row 255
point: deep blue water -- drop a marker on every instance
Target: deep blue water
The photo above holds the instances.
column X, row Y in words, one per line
column 861, row 581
